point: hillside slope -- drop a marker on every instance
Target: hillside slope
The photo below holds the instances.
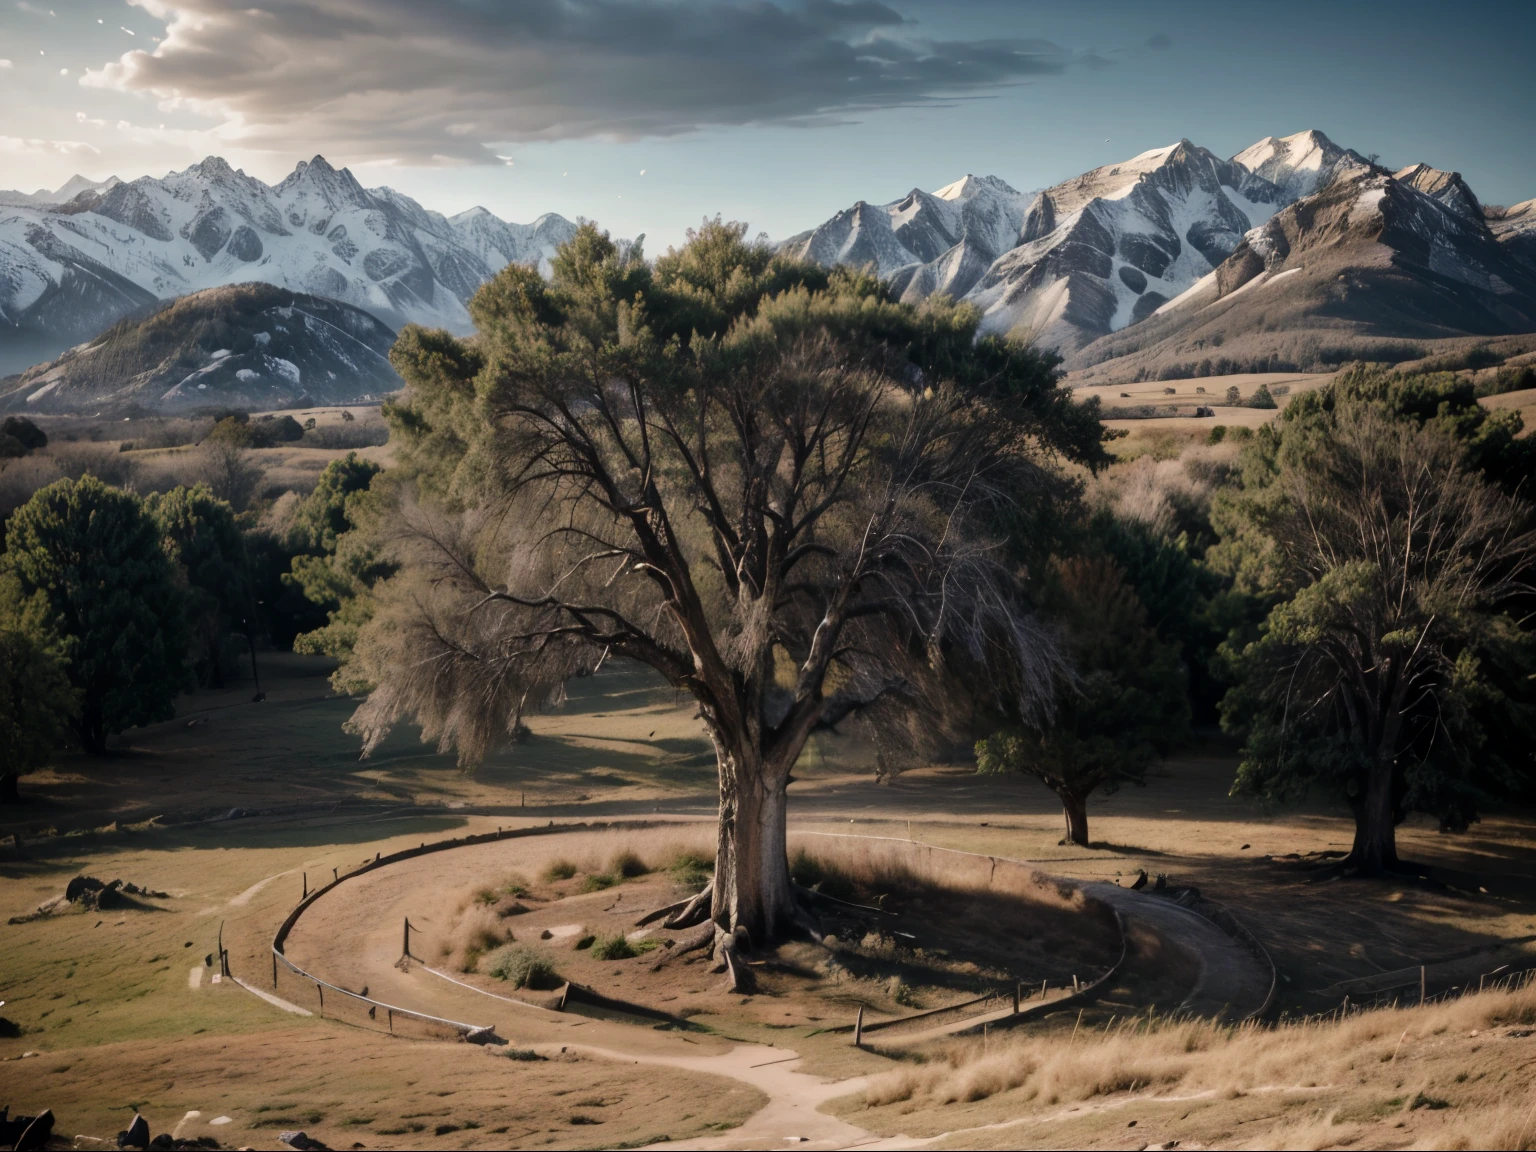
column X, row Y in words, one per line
column 247, row 346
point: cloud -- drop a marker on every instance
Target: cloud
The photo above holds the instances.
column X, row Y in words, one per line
column 1159, row 41
column 46, row 147
column 458, row 80
column 4, row 64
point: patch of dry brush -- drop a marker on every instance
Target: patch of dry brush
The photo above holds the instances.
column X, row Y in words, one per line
column 1466, row 1063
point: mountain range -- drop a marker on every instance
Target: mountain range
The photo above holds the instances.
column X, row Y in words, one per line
column 1132, row 258
column 75, row 261
column 1293, row 253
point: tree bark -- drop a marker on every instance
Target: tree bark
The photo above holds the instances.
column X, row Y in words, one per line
column 1075, row 808
column 752, row 888
column 1375, row 848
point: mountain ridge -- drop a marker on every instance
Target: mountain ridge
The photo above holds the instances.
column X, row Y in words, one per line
column 71, row 267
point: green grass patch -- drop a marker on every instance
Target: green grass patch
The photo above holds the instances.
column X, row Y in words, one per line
column 559, row 870
column 616, row 947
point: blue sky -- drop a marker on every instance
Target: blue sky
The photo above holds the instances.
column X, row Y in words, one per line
column 647, row 115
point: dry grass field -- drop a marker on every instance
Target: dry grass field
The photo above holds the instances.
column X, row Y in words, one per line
column 117, row 1009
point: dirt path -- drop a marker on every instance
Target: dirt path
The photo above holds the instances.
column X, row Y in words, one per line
column 1176, row 958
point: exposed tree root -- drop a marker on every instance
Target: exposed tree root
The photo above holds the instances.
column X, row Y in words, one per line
column 702, row 938
column 730, row 953
column 696, row 911
column 659, row 913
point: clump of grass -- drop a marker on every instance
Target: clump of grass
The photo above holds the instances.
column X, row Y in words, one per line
column 902, row 993
column 525, row 1054
column 626, row 865
column 691, row 869
column 616, row 947
column 597, row 881
column 561, row 869
column 477, row 931
column 520, row 967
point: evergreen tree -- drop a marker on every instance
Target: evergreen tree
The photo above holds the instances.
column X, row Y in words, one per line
column 111, row 595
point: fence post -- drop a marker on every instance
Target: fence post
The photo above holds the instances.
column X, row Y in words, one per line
column 406, row 944
column 274, row 971
column 1043, row 984
column 306, row 885
column 334, row 877
column 1421, row 985
column 1015, row 999
column 858, row 1028
column 320, row 988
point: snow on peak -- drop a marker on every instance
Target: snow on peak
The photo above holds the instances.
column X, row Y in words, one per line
column 971, row 186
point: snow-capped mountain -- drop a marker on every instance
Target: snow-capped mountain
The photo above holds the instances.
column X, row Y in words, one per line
column 249, row 345
column 1371, row 266
column 926, row 241
column 1104, row 251
column 69, row 269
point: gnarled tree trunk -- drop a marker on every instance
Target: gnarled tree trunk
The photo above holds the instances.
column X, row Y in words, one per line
column 1075, row 808
column 752, row 888
column 1375, row 847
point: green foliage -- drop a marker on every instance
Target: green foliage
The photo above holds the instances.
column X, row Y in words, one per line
column 95, row 557
column 616, row 947
column 519, row 966
column 1392, row 666
column 337, row 566
column 558, row 870
column 1119, row 707
column 36, row 698
column 691, row 869
column 199, row 533
column 1262, row 399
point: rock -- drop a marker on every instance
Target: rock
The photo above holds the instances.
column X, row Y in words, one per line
column 136, row 1135
column 9, row 1030
column 300, row 1141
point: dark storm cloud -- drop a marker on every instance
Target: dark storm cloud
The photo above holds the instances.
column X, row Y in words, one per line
column 450, row 81
column 1160, row 40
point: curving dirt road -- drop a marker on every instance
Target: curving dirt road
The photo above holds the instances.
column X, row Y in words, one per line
column 1176, row 960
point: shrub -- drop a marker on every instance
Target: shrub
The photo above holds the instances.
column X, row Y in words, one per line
column 24, row 432
column 520, row 967
column 559, row 870
column 626, row 865
column 809, row 872
column 616, row 947
column 1216, row 434
column 597, row 881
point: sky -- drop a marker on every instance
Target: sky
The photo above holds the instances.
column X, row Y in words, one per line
column 649, row 115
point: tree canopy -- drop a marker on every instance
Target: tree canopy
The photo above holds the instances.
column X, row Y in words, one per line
column 776, row 486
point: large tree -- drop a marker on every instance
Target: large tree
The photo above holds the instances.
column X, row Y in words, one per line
column 770, row 484
column 95, row 557
column 1398, row 573
column 1120, row 701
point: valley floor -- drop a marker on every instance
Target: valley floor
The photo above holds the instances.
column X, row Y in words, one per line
column 118, row 1009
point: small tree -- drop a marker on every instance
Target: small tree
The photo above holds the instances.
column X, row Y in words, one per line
column 1120, row 703
column 95, row 557
column 769, row 484
column 36, row 700
column 199, row 534
column 1396, row 572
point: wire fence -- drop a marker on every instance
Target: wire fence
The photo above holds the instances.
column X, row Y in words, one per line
column 1415, row 992
column 291, row 984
